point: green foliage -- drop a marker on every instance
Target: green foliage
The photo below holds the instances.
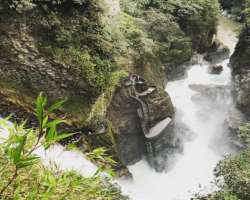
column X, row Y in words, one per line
column 15, row 150
column 37, row 182
column 236, row 174
column 246, row 12
column 174, row 47
column 47, row 132
column 233, row 173
column 167, row 30
column 79, row 40
column 93, row 70
column 244, row 133
column 97, row 75
column 18, row 150
column 27, row 5
column 220, row 195
column 240, row 9
column 200, row 22
column 105, row 161
column 22, row 176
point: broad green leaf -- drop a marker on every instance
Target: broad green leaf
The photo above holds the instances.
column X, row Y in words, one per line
column 56, row 106
column 54, row 123
column 41, row 102
column 25, row 162
column 17, row 151
column 62, row 136
column 45, row 121
column 51, row 134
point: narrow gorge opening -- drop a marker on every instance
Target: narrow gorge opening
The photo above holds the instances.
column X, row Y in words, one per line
column 152, row 99
column 204, row 103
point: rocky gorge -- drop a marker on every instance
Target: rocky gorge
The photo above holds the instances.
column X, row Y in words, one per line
column 146, row 80
column 59, row 57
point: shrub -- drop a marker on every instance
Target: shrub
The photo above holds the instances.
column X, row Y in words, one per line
column 233, row 174
column 23, row 177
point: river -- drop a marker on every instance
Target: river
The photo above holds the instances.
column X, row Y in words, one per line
column 191, row 170
column 205, row 117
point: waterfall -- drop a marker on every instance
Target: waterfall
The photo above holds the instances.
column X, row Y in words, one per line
column 202, row 102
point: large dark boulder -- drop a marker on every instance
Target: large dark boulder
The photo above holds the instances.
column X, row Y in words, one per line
column 127, row 124
column 215, row 69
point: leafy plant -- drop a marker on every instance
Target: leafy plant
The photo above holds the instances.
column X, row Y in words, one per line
column 244, row 133
column 106, row 162
column 17, row 148
column 233, row 173
column 37, row 182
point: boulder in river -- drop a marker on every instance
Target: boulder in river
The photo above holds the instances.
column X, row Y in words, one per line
column 215, row 69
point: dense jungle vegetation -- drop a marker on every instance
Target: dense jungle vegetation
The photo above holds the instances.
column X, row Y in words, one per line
column 75, row 33
column 147, row 37
column 78, row 50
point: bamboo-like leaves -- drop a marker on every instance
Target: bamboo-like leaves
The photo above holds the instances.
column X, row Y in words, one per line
column 18, row 150
column 15, row 150
column 56, row 106
column 48, row 127
column 41, row 102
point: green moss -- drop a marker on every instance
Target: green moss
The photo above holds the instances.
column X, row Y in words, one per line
column 95, row 71
column 98, row 110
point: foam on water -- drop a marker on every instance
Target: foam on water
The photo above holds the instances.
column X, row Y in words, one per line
column 66, row 160
column 193, row 170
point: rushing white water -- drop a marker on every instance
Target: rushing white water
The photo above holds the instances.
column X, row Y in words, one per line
column 205, row 117
column 65, row 160
column 193, row 169
column 58, row 158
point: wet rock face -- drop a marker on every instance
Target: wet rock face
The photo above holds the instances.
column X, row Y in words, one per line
column 235, row 119
column 128, row 136
column 240, row 63
column 242, row 91
column 24, row 70
column 217, row 54
column 127, row 122
column 162, row 147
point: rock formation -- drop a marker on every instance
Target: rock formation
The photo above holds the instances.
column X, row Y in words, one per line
column 80, row 50
column 218, row 54
column 240, row 64
column 215, row 69
column 134, row 110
